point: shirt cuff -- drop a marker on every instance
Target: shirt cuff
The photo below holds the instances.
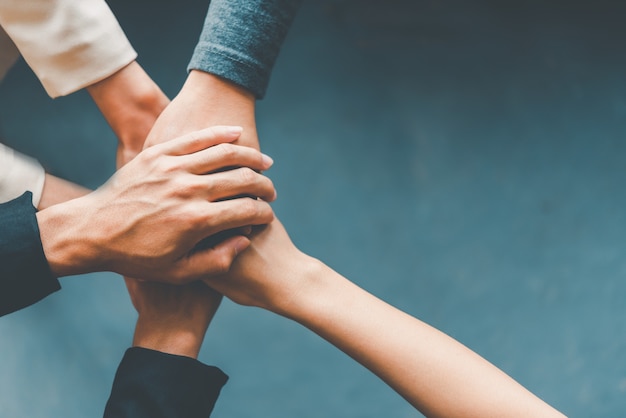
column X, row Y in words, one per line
column 19, row 173
column 241, row 43
column 151, row 384
column 25, row 276
column 68, row 45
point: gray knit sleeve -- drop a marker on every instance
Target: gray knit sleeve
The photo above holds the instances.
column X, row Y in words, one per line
column 241, row 39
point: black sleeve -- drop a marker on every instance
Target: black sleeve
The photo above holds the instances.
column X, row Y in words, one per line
column 151, row 384
column 25, row 276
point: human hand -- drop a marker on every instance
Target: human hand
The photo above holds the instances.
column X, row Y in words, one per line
column 130, row 101
column 147, row 219
column 271, row 273
column 206, row 100
column 172, row 319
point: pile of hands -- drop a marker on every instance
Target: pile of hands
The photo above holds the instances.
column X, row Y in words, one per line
column 186, row 218
column 219, row 196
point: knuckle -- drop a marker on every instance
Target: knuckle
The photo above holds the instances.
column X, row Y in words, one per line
column 266, row 214
column 164, row 164
column 193, row 217
column 247, row 175
column 268, row 183
column 222, row 264
column 227, row 152
column 248, row 208
column 150, row 154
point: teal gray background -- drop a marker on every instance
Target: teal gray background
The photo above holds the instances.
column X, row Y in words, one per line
column 463, row 160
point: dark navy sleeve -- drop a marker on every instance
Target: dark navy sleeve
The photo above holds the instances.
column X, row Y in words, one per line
column 241, row 39
column 151, row 384
column 25, row 276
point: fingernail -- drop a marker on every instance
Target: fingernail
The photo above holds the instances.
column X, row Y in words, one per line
column 267, row 160
column 234, row 131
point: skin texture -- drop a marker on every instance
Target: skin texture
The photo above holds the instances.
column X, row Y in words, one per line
column 172, row 319
column 147, row 219
column 206, row 100
column 57, row 190
column 435, row 373
column 130, row 102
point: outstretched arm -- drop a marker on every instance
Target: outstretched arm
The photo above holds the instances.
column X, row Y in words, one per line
column 435, row 373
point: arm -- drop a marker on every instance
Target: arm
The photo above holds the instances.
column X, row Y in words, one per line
column 230, row 68
column 75, row 44
column 160, row 376
column 145, row 222
column 69, row 44
column 436, row 374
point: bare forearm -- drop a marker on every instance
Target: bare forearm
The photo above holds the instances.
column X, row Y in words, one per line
column 207, row 100
column 130, row 102
column 435, row 373
column 57, row 190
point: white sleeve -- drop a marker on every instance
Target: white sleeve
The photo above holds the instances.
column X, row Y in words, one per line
column 19, row 173
column 69, row 44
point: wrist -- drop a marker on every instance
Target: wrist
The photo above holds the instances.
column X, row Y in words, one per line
column 130, row 101
column 299, row 300
column 65, row 240
column 217, row 101
column 200, row 81
column 175, row 339
column 57, row 190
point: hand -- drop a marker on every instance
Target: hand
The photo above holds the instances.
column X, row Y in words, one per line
column 147, row 219
column 206, row 100
column 172, row 319
column 271, row 273
column 130, row 102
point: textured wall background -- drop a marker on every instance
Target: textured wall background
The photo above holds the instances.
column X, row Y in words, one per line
column 462, row 160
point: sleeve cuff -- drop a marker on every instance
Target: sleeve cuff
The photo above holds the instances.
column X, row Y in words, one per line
column 152, row 384
column 25, row 276
column 241, row 44
column 69, row 45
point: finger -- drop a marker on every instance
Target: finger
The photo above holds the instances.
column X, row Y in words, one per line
column 226, row 155
column 213, row 261
column 199, row 140
column 238, row 182
column 230, row 214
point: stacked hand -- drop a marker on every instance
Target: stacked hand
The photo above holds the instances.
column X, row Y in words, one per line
column 147, row 219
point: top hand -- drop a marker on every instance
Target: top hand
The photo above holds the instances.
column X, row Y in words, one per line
column 147, row 219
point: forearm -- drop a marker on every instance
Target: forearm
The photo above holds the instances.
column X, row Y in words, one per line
column 435, row 373
column 68, row 44
column 131, row 102
column 57, row 190
column 172, row 319
column 241, row 40
column 207, row 100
